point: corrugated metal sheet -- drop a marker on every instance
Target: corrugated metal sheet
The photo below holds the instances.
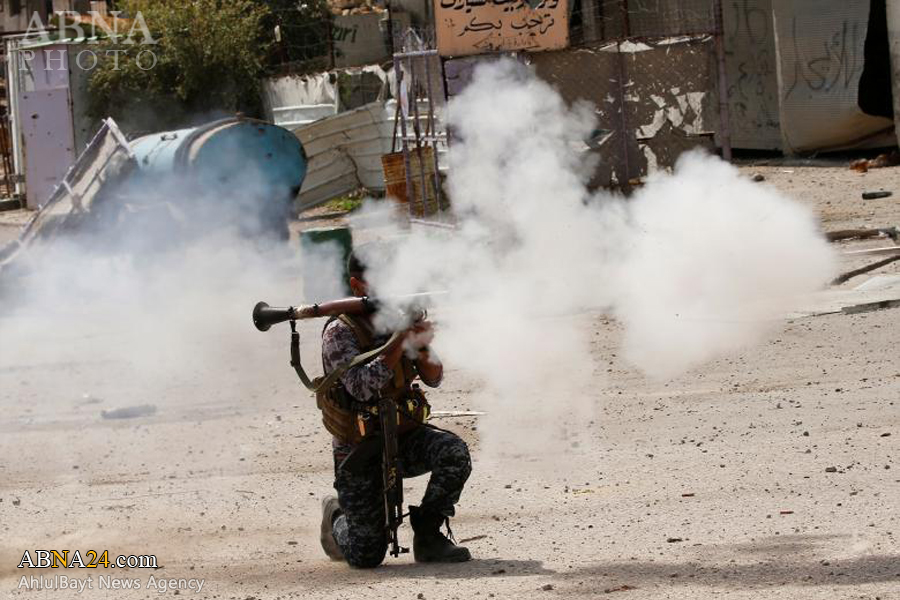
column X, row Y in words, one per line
column 820, row 60
column 345, row 150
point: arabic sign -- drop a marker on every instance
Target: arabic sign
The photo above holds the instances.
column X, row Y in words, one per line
column 479, row 26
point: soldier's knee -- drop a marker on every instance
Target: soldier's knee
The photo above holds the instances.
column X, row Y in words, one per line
column 368, row 558
column 457, row 454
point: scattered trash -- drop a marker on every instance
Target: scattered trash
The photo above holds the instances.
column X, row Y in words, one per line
column 129, row 412
column 785, row 512
column 758, row 177
column 292, row 543
column 882, row 160
column 547, row 587
column 885, row 435
column 674, row 540
column 688, row 495
column 876, row 195
column 831, row 469
column 864, row 234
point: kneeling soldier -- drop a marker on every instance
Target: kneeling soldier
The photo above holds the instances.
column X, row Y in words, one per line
column 353, row 523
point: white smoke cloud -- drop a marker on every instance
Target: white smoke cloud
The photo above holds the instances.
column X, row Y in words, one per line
column 698, row 263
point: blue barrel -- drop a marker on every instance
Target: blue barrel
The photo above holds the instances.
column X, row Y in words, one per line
column 254, row 166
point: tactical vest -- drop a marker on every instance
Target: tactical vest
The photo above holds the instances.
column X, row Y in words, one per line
column 350, row 420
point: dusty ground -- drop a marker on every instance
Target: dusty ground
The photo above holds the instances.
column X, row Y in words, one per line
column 717, row 484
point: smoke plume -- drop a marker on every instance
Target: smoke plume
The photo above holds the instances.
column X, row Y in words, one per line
column 699, row 263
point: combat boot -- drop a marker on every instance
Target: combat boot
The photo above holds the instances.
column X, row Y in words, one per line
column 429, row 544
column 331, row 510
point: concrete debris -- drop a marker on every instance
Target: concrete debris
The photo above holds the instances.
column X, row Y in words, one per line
column 129, row 412
column 870, row 307
column 758, row 177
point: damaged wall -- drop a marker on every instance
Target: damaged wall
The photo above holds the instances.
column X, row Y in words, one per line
column 667, row 95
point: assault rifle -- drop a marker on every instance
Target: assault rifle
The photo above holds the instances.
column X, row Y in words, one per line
column 391, row 474
column 384, row 442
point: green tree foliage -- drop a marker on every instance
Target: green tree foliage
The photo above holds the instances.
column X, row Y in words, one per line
column 209, row 57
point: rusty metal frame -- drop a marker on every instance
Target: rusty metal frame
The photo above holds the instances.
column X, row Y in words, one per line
column 411, row 52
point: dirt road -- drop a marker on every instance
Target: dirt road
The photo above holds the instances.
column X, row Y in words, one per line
column 772, row 473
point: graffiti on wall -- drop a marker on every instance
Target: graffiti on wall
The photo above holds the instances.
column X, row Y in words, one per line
column 836, row 64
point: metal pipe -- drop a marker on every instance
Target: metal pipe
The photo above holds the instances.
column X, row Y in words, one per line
column 724, row 113
column 623, row 118
column 400, row 115
column 432, row 124
column 416, row 53
column 416, row 125
column 626, row 19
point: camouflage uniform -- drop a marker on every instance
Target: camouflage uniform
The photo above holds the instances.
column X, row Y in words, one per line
column 360, row 530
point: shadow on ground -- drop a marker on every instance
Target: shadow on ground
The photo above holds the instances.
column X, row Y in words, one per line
column 322, row 574
column 772, row 562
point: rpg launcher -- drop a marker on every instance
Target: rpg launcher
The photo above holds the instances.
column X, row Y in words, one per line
column 412, row 306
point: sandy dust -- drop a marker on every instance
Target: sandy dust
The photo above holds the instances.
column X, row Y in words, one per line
column 716, row 484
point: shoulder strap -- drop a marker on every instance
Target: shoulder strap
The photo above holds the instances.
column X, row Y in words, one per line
column 324, row 384
column 362, row 332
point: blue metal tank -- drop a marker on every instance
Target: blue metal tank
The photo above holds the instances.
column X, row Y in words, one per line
column 252, row 165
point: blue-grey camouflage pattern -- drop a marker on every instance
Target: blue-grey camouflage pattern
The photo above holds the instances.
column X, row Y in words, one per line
column 360, row 530
column 339, row 345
